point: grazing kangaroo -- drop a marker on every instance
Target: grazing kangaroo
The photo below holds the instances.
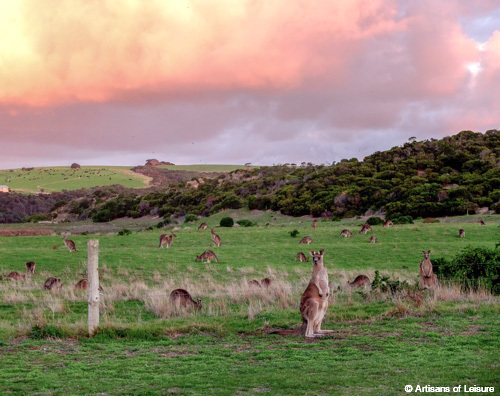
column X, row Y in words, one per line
column 203, row 226
column 314, row 224
column 207, row 255
column 166, row 240
column 181, row 297
column 14, row 275
column 301, row 257
column 388, row 223
column 30, row 267
column 215, row 238
column 366, row 227
column 83, row 284
column 482, row 222
column 361, row 280
column 69, row 244
column 346, row 233
column 461, row 233
column 373, row 239
column 52, row 283
column 307, row 240
column 428, row 279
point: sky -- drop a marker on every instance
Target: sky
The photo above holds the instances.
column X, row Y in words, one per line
column 107, row 82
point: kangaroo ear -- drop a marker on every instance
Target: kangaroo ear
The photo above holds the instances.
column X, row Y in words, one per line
column 423, row 251
column 311, row 252
column 322, row 251
column 429, row 251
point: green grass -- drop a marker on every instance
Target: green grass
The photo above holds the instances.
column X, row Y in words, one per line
column 50, row 179
column 204, row 168
column 381, row 342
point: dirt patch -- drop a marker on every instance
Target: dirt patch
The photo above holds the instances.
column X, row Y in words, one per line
column 10, row 232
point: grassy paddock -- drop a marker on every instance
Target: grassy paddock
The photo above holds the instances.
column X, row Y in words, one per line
column 51, row 179
column 381, row 341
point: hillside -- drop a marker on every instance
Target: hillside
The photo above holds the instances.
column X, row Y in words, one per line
column 452, row 176
column 55, row 179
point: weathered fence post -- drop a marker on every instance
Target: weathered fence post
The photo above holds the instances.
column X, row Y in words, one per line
column 93, row 284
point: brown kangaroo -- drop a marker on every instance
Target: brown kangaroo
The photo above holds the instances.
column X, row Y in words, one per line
column 482, row 222
column 52, row 283
column 307, row 240
column 14, row 275
column 215, row 238
column 266, row 282
column 314, row 301
column 83, row 284
column 314, row 224
column 361, row 280
column 30, row 267
column 366, row 227
column 373, row 239
column 69, row 244
column 166, row 240
column 301, row 257
column 388, row 223
column 203, row 226
column 181, row 297
column 207, row 255
column 461, row 233
column 346, row 234
column 428, row 280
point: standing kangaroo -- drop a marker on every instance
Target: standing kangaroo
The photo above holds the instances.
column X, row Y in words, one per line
column 361, row 280
column 461, row 233
column 373, row 239
column 166, row 240
column 388, row 223
column 181, row 297
column 428, row 279
column 215, row 238
column 207, row 255
column 202, row 226
column 314, row 301
column 301, row 257
column 30, row 267
column 307, row 240
column 314, row 224
column 346, row 234
column 69, row 244
column 366, row 227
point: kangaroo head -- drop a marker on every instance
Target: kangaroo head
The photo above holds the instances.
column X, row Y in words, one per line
column 317, row 256
column 427, row 255
column 198, row 303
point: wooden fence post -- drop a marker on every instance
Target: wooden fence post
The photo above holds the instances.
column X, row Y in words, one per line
column 93, row 284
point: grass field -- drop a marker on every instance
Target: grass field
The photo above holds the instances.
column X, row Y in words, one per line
column 381, row 342
column 64, row 178
column 204, row 168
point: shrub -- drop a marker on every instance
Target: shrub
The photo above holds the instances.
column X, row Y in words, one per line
column 374, row 220
column 226, row 222
column 124, row 232
column 294, row 233
column 190, row 217
column 37, row 217
column 386, row 284
column 402, row 220
column 472, row 267
column 245, row 223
